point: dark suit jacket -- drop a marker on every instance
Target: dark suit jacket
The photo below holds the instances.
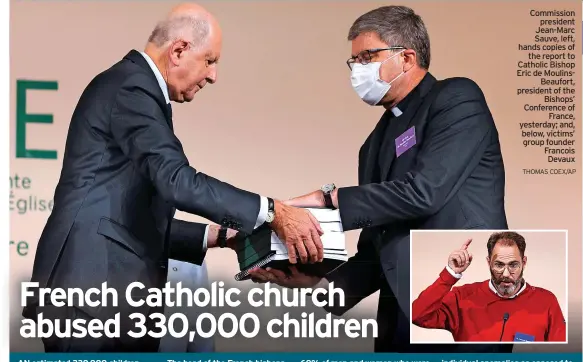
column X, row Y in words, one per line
column 124, row 174
column 452, row 178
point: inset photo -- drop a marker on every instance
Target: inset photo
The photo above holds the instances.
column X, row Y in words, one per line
column 489, row 286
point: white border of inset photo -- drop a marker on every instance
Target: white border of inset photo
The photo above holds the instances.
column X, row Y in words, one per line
column 487, row 233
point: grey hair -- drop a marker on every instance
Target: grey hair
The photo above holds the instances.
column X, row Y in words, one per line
column 396, row 26
column 193, row 28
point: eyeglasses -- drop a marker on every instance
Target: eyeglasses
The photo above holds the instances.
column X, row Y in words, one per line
column 365, row 56
column 512, row 267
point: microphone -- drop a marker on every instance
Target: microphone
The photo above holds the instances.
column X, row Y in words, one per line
column 505, row 319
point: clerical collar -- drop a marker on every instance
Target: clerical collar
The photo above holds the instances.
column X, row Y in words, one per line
column 492, row 288
column 402, row 105
column 396, row 111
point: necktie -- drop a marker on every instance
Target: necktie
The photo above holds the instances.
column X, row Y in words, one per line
column 169, row 109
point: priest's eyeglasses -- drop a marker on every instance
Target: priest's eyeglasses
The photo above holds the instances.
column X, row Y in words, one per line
column 365, row 56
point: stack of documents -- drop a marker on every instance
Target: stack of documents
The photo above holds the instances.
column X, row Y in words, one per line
column 264, row 249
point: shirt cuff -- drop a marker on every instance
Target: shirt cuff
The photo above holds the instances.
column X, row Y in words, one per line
column 262, row 212
column 205, row 238
column 453, row 274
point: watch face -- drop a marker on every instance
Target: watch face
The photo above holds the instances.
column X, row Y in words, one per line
column 328, row 188
column 270, row 217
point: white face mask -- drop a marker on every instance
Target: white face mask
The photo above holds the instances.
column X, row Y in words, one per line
column 367, row 82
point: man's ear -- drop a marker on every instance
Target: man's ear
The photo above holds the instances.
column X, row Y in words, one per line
column 409, row 59
column 177, row 49
column 524, row 261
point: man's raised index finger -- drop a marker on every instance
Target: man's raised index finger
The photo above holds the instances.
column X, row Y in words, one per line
column 466, row 244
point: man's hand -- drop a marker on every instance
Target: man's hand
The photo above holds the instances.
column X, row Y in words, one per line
column 294, row 280
column 300, row 231
column 460, row 260
column 313, row 199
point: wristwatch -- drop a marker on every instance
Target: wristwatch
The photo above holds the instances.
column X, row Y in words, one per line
column 222, row 238
column 327, row 190
column 270, row 210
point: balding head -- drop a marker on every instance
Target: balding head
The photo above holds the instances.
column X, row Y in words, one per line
column 186, row 46
column 187, row 21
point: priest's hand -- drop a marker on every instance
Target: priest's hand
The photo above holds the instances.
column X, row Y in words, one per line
column 459, row 260
column 313, row 199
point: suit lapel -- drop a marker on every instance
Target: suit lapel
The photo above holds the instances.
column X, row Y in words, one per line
column 401, row 124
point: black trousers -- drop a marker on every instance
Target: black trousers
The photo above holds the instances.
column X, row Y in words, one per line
column 124, row 343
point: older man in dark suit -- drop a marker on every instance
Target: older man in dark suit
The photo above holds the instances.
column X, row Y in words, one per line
column 432, row 162
column 125, row 173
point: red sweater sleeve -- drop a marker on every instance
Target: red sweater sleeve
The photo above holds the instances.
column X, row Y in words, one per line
column 437, row 306
column 557, row 331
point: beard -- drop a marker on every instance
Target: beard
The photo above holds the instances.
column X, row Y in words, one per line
column 507, row 290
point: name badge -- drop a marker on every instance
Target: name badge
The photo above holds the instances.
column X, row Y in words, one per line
column 405, row 141
column 522, row 337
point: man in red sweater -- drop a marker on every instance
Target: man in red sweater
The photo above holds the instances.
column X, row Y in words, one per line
column 505, row 308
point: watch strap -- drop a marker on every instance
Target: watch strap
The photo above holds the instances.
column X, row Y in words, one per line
column 222, row 238
column 328, row 200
